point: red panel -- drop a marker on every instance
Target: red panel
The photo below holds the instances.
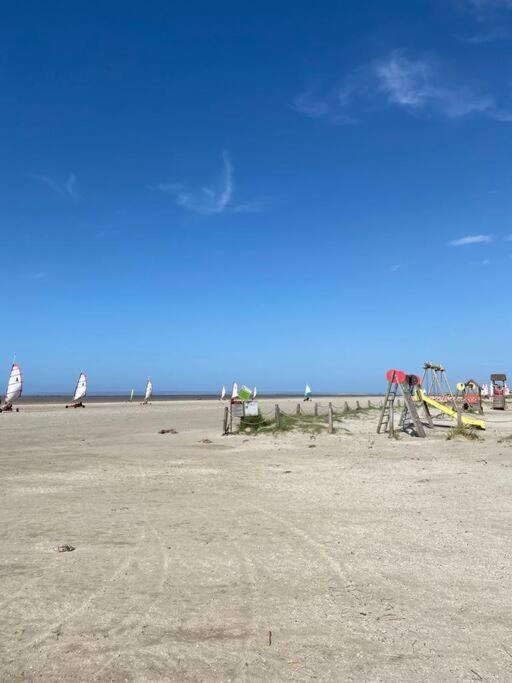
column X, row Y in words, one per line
column 396, row 376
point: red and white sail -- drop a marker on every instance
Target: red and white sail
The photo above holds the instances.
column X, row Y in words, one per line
column 149, row 390
column 81, row 388
column 14, row 385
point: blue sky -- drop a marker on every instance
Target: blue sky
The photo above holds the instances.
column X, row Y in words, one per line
column 204, row 192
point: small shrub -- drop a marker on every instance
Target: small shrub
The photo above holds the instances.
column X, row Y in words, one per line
column 308, row 424
column 255, row 424
column 465, row 431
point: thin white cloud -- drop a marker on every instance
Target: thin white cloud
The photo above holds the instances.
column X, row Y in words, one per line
column 334, row 106
column 491, row 35
column 37, row 275
column 404, row 81
column 65, row 189
column 55, row 187
column 417, row 85
column 208, row 200
column 471, row 239
column 492, row 17
column 70, row 186
column 311, row 105
column 481, row 7
column 205, row 200
column 396, row 267
column 115, row 232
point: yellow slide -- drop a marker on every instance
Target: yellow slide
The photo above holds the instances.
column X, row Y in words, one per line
column 421, row 396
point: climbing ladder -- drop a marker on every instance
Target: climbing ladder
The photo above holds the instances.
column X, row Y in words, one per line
column 409, row 417
column 386, row 417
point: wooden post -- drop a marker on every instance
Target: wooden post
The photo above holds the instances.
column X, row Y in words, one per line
column 316, row 409
column 391, row 424
column 225, row 421
column 459, row 417
column 298, row 409
column 278, row 416
column 358, row 407
column 331, row 427
column 346, row 408
column 398, row 403
column 410, row 410
column 231, row 418
column 369, row 403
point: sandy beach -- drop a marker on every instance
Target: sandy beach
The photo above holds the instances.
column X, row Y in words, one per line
column 279, row 557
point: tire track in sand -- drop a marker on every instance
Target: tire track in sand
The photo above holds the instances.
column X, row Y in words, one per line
column 108, row 583
column 340, row 574
column 136, row 630
column 249, row 579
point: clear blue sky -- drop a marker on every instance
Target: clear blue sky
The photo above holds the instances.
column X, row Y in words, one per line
column 272, row 192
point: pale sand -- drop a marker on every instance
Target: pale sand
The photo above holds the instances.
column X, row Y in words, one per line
column 367, row 558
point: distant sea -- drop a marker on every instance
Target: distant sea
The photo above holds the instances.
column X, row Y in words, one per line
column 123, row 398
column 111, row 398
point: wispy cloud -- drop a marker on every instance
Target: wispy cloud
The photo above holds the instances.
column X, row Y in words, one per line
column 70, row 186
column 471, row 239
column 311, row 105
column 63, row 189
column 209, row 200
column 404, row 81
column 417, row 85
column 37, row 275
column 114, row 232
column 482, row 8
column 489, row 35
column 396, row 267
column 492, row 17
column 334, row 105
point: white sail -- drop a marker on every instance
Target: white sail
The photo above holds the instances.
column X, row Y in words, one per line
column 131, row 395
column 81, row 388
column 234, row 390
column 223, row 394
column 149, row 390
column 307, row 390
column 254, row 392
column 14, row 385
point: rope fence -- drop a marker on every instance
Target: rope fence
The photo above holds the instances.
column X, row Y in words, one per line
column 321, row 419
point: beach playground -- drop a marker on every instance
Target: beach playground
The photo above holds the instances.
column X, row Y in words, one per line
column 130, row 554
